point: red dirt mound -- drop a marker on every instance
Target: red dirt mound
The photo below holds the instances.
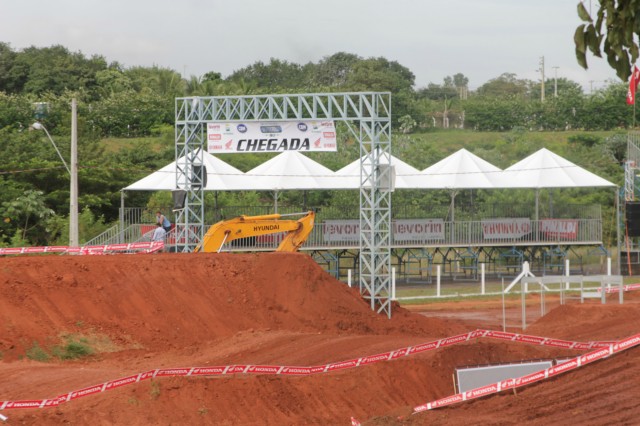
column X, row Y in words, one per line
column 175, row 300
column 601, row 393
column 142, row 312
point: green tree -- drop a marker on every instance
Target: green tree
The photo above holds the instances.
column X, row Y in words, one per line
column 7, row 58
column 604, row 110
column 615, row 32
column 112, row 80
column 334, row 70
column 438, row 92
column 506, row 85
column 496, row 114
column 162, row 81
column 277, row 75
column 460, row 81
column 52, row 69
column 128, row 113
column 28, row 212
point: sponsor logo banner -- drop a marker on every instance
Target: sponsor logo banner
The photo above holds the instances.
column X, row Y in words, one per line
column 560, row 228
column 506, row 228
column 276, row 136
column 415, row 230
column 342, row 230
column 418, row 230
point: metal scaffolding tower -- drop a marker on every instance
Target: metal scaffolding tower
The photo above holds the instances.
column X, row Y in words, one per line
column 368, row 117
column 632, row 165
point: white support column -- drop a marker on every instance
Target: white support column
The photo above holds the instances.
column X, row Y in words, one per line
column 73, row 192
column 393, row 283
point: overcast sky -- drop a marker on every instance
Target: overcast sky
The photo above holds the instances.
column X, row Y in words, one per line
column 433, row 38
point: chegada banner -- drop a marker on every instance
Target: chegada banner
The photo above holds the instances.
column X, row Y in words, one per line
column 276, row 136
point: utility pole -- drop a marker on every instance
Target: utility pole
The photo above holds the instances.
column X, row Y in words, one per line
column 555, row 83
column 72, row 168
column 73, row 195
column 463, row 92
column 542, row 74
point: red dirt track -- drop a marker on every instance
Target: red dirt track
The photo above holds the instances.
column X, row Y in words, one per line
column 143, row 312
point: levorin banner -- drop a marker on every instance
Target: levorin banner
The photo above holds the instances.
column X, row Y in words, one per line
column 276, row 136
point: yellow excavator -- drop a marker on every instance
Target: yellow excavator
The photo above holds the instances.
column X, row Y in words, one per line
column 251, row 226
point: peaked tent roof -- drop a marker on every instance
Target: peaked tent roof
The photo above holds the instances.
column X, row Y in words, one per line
column 544, row 169
column 349, row 175
column 220, row 177
column 460, row 170
column 292, row 170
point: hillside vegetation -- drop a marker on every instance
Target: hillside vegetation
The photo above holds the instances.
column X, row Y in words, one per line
column 125, row 125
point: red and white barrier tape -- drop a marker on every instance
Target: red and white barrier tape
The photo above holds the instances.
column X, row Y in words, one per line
column 305, row 371
column 144, row 247
column 628, row 287
column 572, row 364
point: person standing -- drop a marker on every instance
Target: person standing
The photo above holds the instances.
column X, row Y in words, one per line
column 159, row 233
column 163, row 221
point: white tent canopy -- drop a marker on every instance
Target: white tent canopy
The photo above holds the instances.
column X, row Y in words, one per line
column 220, row 177
column 544, row 169
column 460, row 170
column 349, row 175
column 292, row 170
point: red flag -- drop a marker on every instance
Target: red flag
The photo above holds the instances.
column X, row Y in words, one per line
column 633, row 86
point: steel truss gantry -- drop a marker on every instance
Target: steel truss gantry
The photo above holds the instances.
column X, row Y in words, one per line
column 368, row 117
column 632, row 165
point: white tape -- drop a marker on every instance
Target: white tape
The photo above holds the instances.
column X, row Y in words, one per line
column 3, row 418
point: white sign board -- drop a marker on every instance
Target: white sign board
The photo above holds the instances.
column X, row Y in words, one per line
column 418, row 230
column 404, row 230
column 276, row 136
column 506, row 228
column 560, row 228
column 342, row 230
column 476, row 377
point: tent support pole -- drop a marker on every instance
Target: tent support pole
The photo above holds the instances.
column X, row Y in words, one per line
column 215, row 207
column 121, row 233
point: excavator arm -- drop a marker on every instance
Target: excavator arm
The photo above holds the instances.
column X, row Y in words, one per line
column 251, row 226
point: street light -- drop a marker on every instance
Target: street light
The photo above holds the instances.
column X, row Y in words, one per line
column 40, row 126
column 73, row 172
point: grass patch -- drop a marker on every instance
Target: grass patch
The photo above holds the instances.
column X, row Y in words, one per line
column 37, row 353
column 73, row 346
column 72, row 350
column 155, row 390
column 120, row 144
column 447, row 289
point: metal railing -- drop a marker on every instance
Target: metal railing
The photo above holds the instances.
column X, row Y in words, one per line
column 110, row 236
column 459, row 234
column 337, row 227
